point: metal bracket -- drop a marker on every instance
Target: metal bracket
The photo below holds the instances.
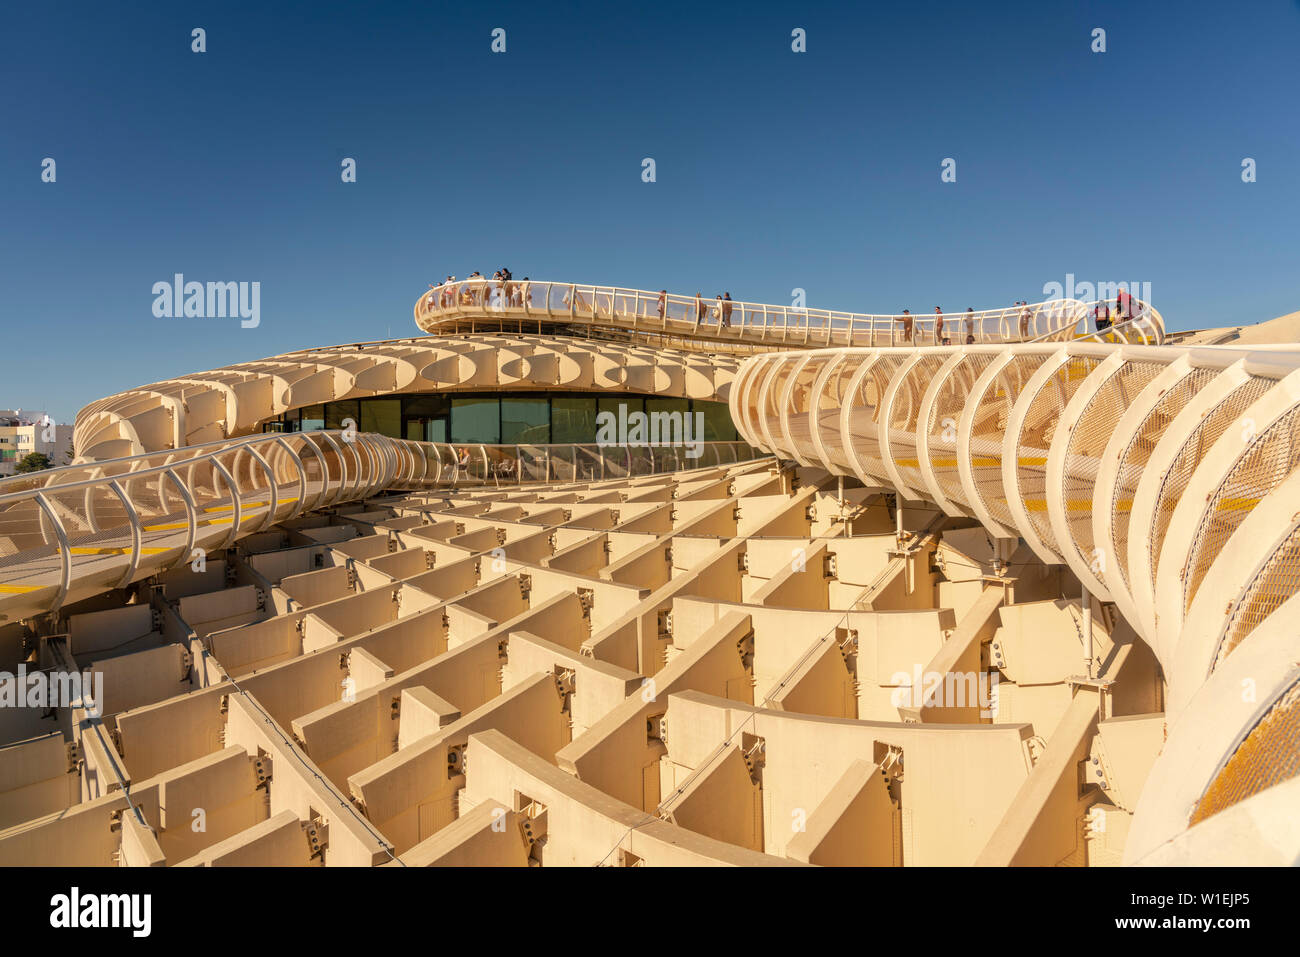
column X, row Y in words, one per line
column 828, row 565
column 755, row 752
column 262, row 768
column 318, row 836
column 455, row 760
column 656, row 728
column 745, row 648
column 996, row 658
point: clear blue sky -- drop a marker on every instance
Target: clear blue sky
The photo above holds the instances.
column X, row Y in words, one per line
column 818, row 170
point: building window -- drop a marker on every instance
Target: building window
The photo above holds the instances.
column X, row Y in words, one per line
column 383, row 416
column 476, row 419
column 531, row 418
column 425, row 417
column 525, row 420
column 612, row 403
column 337, row 412
column 573, row 419
column 313, row 418
column 718, row 426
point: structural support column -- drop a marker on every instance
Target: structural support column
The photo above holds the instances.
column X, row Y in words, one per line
column 1087, row 633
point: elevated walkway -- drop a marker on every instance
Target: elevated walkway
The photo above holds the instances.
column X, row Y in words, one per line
column 695, row 322
column 69, row 533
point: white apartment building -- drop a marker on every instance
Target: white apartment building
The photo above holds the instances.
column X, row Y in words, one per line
column 24, row 431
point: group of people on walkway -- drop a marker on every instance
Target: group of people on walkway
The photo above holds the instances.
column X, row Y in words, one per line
column 940, row 338
column 476, row 289
column 502, row 291
column 717, row 310
column 1126, row 308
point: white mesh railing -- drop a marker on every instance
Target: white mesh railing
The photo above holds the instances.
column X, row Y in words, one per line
column 1133, row 321
column 1000, row 447
column 520, row 304
column 87, row 528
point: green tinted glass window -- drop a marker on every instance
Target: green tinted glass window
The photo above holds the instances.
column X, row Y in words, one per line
column 526, row 421
column 573, row 419
column 476, row 419
column 383, row 416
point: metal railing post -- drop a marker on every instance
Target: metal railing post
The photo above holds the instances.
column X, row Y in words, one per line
column 65, row 552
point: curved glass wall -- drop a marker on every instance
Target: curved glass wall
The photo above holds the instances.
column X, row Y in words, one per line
column 531, row 418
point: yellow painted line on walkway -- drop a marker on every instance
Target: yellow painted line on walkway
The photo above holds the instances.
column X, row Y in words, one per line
column 89, row 550
column 981, row 462
column 249, row 508
column 18, row 589
column 248, row 505
column 1237, row 504
column 1125, row 505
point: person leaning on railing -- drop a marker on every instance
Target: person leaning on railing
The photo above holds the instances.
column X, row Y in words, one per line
column 906, row 320
column 507, row 288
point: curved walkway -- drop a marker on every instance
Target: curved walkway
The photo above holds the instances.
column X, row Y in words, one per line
column 480, row 304
column 69, row 533
column 1166, row 478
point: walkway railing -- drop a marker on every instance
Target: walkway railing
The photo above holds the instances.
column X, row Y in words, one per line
column 482, row 304
column 1139, row 468
column 72, row 532
column 1139, row 324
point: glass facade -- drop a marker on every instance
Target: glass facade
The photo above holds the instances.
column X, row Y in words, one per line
column 476, row 419
column 338, row 414
column 521, row 418
column 525, row 420
column 573, row 418
column 381, row 415
column 425, row 417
